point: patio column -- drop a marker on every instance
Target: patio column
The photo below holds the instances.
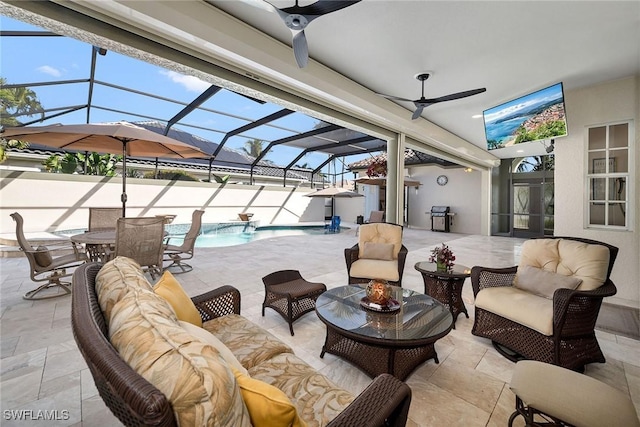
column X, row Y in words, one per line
column 395, row 179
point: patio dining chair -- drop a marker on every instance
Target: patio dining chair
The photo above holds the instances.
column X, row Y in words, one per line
column 101, row 219
column 141, row 239
column 177, row 254
column 46, row 268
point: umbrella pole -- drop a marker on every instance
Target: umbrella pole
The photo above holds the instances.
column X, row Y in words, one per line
column 123, row 196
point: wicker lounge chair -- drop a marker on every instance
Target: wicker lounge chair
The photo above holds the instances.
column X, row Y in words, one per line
column 44, row 267
column 178, row 254
column 103, row 218
column 571, row 342
column 368, row 258
column 136, row 402
column 141, row 239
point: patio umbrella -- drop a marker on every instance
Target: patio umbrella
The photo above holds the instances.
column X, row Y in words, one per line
column 382, row 181
column 333, row 192
column 112, row 138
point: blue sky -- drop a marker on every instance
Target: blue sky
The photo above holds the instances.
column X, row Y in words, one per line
column 48, row 59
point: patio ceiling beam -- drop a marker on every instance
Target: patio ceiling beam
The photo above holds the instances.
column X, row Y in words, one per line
column 312, row 132
column 267, row 119
column 62, row 113
column 92, row 76
column 327, row 146
column 211, row 91
column 57, row 82
column 18, row 33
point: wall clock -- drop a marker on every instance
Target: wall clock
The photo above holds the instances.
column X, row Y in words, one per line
column 442, row 180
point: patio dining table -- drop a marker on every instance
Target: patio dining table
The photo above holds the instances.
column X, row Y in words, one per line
column 100, row 245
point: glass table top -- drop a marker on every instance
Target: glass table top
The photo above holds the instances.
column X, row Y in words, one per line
column 418, row 318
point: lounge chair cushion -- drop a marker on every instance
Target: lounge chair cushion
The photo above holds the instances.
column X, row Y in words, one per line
column 43, row 256
column 195, row 378
column 250, row 343
column 380, row 233
column 375, row 269
column 543, row 283
column 383, row 251
column 317, row 399
column 588, row 262
column 520, row 306
column 171, row 290
column 210, row 339
column 268, row 406
column 115, row 279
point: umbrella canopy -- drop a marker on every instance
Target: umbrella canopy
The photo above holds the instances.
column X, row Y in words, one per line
column 334, row 192
column 112, row 138
column 382, row 181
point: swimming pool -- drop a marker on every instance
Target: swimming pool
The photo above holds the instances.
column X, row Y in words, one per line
column 232, row 234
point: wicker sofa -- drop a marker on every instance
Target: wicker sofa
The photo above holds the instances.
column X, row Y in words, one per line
column 546, row 308
column 114, row 307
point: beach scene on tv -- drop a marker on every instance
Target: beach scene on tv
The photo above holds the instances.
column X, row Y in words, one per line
column 537, row 116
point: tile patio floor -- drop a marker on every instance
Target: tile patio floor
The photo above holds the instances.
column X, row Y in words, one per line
column 41, row 368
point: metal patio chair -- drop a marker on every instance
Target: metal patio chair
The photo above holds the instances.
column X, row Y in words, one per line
column 141, row 239
column 178, row 254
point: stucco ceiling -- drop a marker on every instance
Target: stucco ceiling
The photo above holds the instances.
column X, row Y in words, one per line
column 509, row 47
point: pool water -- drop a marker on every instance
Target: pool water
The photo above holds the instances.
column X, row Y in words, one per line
column 214, row 236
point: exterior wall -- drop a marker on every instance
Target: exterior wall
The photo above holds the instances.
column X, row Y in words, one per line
column 613, row 101
column 50, row 202
column 463, row 193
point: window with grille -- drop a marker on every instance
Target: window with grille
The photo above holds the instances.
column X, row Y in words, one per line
column 608, row 173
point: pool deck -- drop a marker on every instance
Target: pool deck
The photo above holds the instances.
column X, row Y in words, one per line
column 43, row 369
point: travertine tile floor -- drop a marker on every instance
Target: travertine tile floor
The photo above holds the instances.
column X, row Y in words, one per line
column 41, row 368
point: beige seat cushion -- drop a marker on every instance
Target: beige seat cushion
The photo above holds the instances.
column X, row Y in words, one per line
column 375, row 269
column 520, row 306
column 317, row 399
column 115, row 279
column 199, row 384
column 250, row 343
column 573, row 397
column 584, row 261
column 380, row 233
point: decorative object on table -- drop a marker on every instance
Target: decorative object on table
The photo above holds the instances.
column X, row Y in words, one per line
column 379, row 296
column 443, row 257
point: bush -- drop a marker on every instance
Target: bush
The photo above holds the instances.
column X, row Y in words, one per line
column 171, row 175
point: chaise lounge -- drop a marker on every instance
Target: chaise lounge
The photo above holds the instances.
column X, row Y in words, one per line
column 114, row 307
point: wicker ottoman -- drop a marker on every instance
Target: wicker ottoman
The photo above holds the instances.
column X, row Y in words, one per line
column 290, row 295
column 559, row 396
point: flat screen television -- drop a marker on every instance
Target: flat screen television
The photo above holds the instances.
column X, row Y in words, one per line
column 531, row 118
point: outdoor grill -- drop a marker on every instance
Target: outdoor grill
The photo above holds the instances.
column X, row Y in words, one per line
column 440, row 219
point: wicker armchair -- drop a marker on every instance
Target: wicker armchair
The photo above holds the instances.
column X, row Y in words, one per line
column 141, row 239
column 366, row 260
column 44, row 267
column 572, row 343
column 136, row 402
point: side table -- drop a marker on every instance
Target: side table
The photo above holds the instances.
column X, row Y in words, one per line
column 445, row 286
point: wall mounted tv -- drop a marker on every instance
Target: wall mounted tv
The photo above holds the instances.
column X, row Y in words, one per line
column 535, row 117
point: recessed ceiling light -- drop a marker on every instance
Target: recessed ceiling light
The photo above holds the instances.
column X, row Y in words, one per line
column 476, row 116
column 520, row 151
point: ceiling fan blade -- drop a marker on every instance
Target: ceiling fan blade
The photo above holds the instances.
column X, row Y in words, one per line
column 300, row 48
column 395, row 98
column 456, row 95
column 319, row 8
column 418, row 111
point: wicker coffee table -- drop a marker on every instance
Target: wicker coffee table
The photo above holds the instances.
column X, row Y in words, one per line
column 393, row 342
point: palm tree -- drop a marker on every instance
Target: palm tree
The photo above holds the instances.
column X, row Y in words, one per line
column 253, row 147
column 16, row 101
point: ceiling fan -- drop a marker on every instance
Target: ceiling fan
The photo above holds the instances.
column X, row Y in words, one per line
column 425, row 102
column 296, row 18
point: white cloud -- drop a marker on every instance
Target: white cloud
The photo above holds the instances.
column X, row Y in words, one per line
column 47, row 69
column 192, row 84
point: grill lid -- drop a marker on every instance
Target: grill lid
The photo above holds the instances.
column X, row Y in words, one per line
column 439, row 210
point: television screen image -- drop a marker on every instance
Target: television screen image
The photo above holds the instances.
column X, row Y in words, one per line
column 534, row 117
